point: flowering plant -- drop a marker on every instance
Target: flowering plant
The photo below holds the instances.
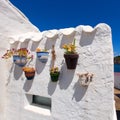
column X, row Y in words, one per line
column 28, row 69
column 54, row 74
column 54, row 70
column 70, row 48
column 40, row 50
column 19, row 52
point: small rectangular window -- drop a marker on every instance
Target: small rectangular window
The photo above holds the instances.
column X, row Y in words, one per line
column 38, row 104
column 41, row 101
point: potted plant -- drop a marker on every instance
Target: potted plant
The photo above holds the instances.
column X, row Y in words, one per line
column 70, row 55
column 54, row 74
column 42, row 55
column 20, row 56
column 29, row 72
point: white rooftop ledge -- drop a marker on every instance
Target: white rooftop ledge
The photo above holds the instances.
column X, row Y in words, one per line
column 87, row 28
column 51, row 33
column 67, row 31
column 35, row 36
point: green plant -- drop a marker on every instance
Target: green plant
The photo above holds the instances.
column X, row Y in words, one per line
column 70, row 48
column 18, row 52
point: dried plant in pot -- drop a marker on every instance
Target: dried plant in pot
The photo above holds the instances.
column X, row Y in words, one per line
column 20, row 56
column 42, row 55
column 54, row 74
column 29, row 72
column 70, row 55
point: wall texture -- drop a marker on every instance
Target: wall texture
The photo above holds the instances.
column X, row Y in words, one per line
column 70, row 100
column 12, row 22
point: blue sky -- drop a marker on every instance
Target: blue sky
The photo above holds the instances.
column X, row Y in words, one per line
column 57, row 14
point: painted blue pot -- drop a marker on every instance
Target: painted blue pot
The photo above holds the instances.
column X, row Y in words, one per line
column 20, row 60
column 42, row 56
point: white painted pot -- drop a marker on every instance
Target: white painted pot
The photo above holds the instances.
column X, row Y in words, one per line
column 42, row 56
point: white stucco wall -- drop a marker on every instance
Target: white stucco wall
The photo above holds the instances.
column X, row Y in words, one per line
column 70, row 101
column 12, row 22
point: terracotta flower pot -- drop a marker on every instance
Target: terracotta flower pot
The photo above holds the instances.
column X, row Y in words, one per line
column 42, row 56
column 29, row 72
column 29, row 75
column 71, row 60
column 20, row 60
column 54, row 76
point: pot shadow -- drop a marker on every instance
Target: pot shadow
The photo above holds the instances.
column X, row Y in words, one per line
column 17, row 72
column 87, row 38
column 9, row 77
column 39, row 66
column 27, row 85
column 79, row 91
column 51, row 87
column 66, row 77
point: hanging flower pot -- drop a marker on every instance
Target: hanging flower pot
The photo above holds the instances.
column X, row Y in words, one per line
column 29, row 72
column 29, row 75
column 54, row 74
column 71, row 56
column 20, row 56
column 20, row 60
column 42, row 55
column 71, row 60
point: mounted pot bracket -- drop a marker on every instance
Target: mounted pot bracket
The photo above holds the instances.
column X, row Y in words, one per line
column 85, row 78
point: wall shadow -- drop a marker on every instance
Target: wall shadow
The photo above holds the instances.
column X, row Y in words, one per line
column 66, row 77
column 9, row 77
column 87, row 38
column 79, row 91
column 50, row 42
column 14, row 45
column 24, row 44
column 67, row 39
column 34, row 45
column 51, row 87
column 27, row 85
column 39, row 66
column 17, row 72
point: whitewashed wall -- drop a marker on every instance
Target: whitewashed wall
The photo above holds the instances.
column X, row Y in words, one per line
column 70, row 101
column 12, row 22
